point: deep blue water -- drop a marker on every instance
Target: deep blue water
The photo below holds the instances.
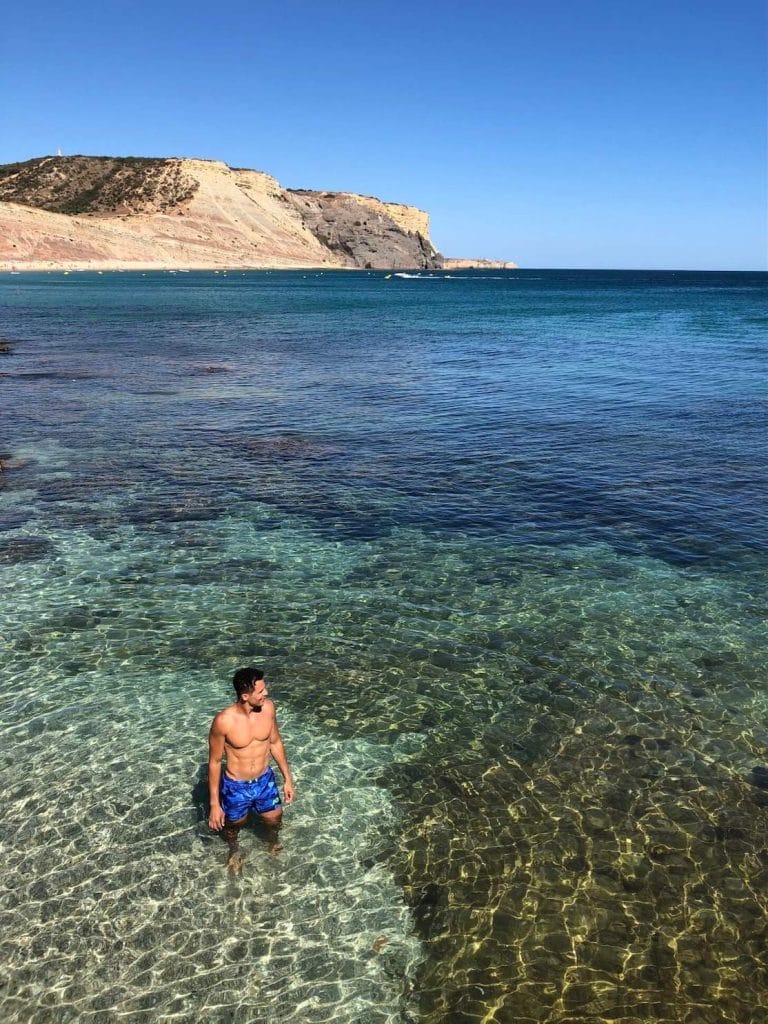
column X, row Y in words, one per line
column 498, row 536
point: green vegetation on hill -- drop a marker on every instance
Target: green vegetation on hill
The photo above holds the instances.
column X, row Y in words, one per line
column 88, row 184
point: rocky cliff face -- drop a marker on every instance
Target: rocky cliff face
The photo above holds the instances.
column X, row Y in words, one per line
column 367, row 232
column 101, row 212
column 449, row 263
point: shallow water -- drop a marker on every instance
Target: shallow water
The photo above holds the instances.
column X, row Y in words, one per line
column 499, row 541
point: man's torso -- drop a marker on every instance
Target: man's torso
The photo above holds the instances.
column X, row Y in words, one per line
column 246, row 742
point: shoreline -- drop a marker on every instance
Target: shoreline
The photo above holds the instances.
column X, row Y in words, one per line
column 119, row 266
column 53, row 267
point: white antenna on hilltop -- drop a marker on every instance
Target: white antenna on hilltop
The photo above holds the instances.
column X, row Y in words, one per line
column 59, row 153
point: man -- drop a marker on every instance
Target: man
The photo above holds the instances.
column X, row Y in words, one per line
column 247, row 733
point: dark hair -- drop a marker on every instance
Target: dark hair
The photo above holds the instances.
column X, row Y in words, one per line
column 245, row 679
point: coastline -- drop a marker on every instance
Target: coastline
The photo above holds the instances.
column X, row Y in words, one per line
column 458, row 263
column 64, row 214
column 121, row 266
column 101, row 213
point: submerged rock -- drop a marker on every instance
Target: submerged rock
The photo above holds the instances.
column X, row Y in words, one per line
column 209, row 368
column 286, row 446
column 73, row 374
column 427, row 905
column 8, row 462
column 24, row 549
column 13, row 519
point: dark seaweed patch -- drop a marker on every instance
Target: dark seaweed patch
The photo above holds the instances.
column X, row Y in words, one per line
column 13, row 520
column 176, row 512
column 24, row 549
column 284, row 447
column 51, row 375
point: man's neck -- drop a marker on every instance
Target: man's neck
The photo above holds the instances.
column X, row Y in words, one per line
column 247, row 709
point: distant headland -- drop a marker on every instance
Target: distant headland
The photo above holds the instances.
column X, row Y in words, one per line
column 123, row 213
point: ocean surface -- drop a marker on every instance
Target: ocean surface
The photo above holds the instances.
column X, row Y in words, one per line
column 499, row 540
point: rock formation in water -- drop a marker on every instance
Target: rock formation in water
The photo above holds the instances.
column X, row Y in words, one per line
column 450, row 263
column 130, row 212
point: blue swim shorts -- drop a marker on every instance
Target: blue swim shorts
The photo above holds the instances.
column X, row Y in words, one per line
column 240, row 798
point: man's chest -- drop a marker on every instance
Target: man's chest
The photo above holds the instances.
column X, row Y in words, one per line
column 256, row 730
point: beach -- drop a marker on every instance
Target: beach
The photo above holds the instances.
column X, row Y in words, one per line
column 498, row 540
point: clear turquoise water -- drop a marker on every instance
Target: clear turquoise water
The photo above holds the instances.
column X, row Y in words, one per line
column 499, row 540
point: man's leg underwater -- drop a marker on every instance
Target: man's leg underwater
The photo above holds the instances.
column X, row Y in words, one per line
column 272, row 821
column 231, row 831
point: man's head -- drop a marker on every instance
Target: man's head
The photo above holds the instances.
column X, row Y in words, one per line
column 250, row 687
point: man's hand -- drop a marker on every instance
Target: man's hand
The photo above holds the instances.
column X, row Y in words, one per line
column 216, row 819
column 288, row 790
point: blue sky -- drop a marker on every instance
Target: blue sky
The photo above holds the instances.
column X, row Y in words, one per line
column 561, row 133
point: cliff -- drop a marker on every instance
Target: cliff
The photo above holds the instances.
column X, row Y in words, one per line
column 367, row 232
column 449, row 263
column 116, row 212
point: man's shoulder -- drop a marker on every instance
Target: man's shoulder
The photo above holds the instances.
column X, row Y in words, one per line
column 220, row 720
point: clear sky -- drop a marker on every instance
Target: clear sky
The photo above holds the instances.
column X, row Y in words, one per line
column 556, row 133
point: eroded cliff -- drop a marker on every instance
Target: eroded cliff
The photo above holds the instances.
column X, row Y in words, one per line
column 100, row 212
column 367, row 232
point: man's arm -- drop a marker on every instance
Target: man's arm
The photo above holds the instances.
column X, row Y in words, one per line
column 277, row 750
column 215, row 755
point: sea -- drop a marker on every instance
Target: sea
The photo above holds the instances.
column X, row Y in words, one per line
column 497, row 538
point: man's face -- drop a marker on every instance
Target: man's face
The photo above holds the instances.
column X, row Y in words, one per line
column 255, row 699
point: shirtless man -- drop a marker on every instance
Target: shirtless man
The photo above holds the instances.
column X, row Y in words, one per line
column 247, row 733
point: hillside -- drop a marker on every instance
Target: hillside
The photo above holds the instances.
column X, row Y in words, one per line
column 129, row 212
